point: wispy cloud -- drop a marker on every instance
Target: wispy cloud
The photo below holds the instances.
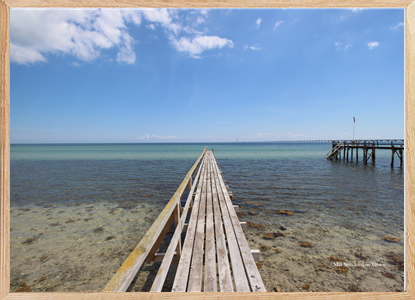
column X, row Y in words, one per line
column 160, row 137
column 200, row 20
column 258, row 23
column 347, row 47
column 254, row 47
column 350, row 13
column 199, row 44
column 162, row 17
column 278, row 23
column 273, row 136
column 373, row 45
column 397, row 26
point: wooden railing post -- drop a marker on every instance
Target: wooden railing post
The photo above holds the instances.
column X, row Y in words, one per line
column 159, row 240
column 177, row 223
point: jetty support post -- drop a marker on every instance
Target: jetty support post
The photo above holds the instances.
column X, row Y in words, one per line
column 393, row 154
column 347, row 159
column 401, row 156
column 344, row 150
column 364, row 152
column 357, row 153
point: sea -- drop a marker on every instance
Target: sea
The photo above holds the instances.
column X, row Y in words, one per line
column 78, row 210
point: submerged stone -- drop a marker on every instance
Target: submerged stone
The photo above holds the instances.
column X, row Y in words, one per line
column 284, row 212
column 306, row 245
column 391, row 239
column 342, row 270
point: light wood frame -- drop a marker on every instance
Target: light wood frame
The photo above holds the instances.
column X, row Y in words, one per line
column 5, row 6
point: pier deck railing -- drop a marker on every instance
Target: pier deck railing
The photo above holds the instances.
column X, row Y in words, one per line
column 148, row 246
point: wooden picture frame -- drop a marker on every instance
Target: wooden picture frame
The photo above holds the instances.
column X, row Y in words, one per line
column 409, row 6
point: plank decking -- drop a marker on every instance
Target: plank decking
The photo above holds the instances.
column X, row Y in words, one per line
column 215, row 256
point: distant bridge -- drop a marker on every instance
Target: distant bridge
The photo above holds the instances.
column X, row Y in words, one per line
column 398, row 141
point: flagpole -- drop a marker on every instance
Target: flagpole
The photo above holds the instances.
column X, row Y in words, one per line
column 354, row 120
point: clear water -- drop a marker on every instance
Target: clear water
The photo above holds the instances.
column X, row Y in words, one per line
column 340, row 207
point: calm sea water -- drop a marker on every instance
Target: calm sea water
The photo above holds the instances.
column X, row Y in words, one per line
column 264, row 177
column 285, row 175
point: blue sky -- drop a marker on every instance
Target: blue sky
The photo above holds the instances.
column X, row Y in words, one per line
column 217, row 75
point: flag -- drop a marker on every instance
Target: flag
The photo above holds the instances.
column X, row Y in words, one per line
column 354, row 120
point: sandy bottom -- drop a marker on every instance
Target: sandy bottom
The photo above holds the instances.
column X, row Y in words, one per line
column 73, row 248
column 321, row 259
column 79, row 248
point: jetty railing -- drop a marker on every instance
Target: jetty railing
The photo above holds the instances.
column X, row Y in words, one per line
column 148, row 246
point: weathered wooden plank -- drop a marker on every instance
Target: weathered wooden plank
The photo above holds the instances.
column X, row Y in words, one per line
column 182, row 273
column 238, row 270
column 224, row 272
column 125, row 274
column 170, row 253
column 196, row 269
column 209, row 283
column 252, row 272
column 255, row 253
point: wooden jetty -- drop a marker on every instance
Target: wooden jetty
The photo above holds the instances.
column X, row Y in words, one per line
column 214, row 256
column 368, row 147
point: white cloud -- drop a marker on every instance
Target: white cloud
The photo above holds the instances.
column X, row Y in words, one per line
column 161, row 137
column 82, row 33
column 163, row 17
column 126, row 54
column 347, row 47
column 278, row 23
column 191, row 30
column 131, row 16
column 36, row 33
column 200, row 43
column 397, row 26
column 23, row 55
column 258, row 22
column 373, row 45
column 273, row 136
column 338, row 44
column 255, row 48
column 200, row 20
column 356, row 9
